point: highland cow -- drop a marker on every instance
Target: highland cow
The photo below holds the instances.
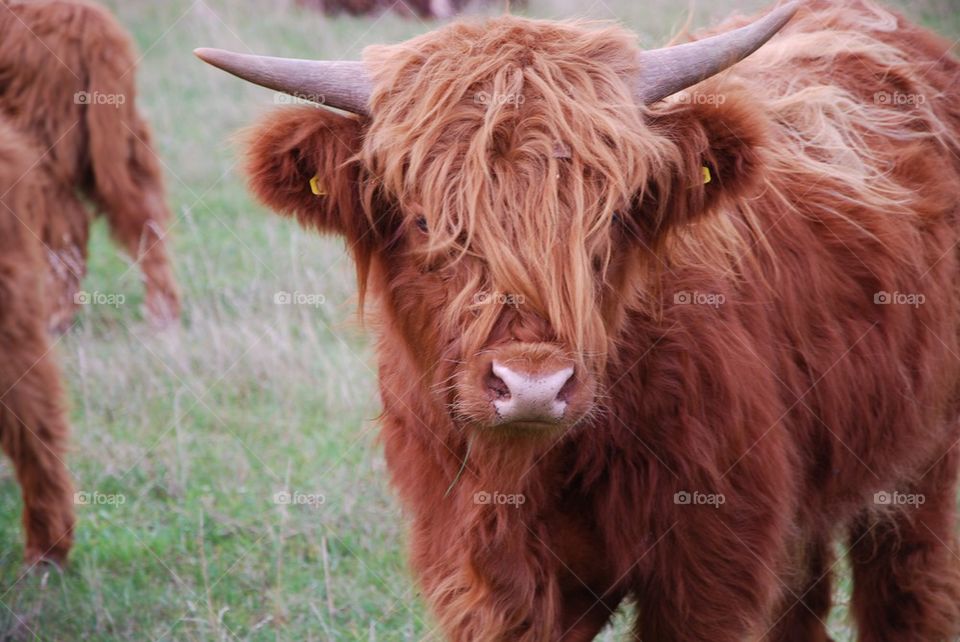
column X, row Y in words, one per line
column 649, row 331
column 67, row 83
column 33, row 426
column 69, row 134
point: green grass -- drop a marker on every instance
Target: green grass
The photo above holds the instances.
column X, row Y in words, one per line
column 199, row 426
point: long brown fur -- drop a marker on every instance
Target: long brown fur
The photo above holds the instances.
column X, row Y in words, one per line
column 59, row 151
column 67, row 80
column 797, row 395
column 33, row 426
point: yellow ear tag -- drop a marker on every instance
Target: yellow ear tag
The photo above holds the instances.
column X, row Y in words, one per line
column 316, row 188
column 706, row 175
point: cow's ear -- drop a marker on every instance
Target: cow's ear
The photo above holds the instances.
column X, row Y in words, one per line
column 302, row 162
column 716, row 155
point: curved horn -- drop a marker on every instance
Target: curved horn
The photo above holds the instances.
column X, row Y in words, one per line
column 664, row 72
column 343, row 84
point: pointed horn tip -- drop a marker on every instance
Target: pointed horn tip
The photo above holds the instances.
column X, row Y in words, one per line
column 789, row 9
column 655, row 85
column 784, row 12
column 219, row 58
column 207, row 54
column 792, row 5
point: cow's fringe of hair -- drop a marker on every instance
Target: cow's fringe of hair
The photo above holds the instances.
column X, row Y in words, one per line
column 500, row 158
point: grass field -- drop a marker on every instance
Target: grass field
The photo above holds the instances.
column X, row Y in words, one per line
column 193, row 431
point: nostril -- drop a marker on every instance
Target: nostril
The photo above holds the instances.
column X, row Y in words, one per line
column 567, row 389
column 498, row 389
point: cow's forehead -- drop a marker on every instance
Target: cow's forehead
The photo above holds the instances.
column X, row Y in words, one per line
column 509, row 120
column 500, row 56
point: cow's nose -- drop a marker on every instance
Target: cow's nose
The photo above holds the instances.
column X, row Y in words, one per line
column 522, row 396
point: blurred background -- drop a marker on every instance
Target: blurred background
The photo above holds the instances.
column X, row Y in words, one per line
column 203, row 432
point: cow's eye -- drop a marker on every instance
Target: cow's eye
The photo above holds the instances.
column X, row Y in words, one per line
column 422, row 224
column 617, row 218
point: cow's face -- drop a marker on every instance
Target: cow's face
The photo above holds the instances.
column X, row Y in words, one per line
column 508, row 200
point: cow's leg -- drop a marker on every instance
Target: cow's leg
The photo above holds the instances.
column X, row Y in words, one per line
column 721, row 587
column 162, row 296
column 66, row 235
column 145, row 242
column 33, row 429
column 582, row 617
column 137, row 220
column 805, row 610
column 905, row 565
column 128, row 182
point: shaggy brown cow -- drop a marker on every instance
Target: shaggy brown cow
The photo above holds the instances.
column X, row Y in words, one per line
column 657, row 350
column 33, row 427
column 67, row 81
column 69, row 132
